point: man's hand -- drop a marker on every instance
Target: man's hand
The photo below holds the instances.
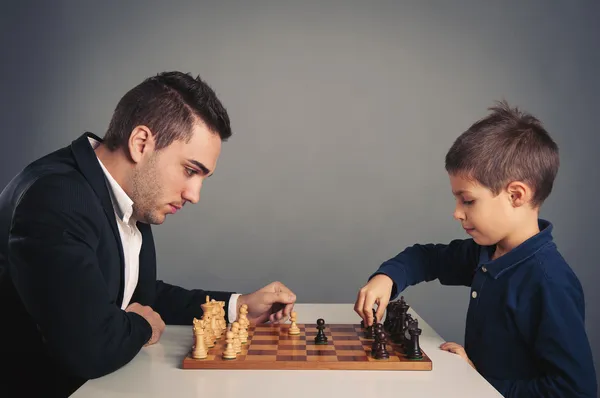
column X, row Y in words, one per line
column 377, row 291
column 152, row 317
column 273, row 302
column 458, row 350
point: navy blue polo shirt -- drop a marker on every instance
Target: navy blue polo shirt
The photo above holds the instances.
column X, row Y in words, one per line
column 525, row 329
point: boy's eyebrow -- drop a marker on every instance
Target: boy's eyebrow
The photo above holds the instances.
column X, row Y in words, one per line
column 199, row 165
column 460, row 192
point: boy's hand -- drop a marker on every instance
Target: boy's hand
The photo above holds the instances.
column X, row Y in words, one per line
column 376, row 291
column 458, row 350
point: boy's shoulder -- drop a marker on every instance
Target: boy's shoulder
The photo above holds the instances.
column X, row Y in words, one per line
column 548, row 266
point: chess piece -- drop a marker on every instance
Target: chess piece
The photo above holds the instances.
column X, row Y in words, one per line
column 229, row 352
column 320, row 338
column 415, row 350
column 237, row 344
column 222, row 320
column 200, row 351
column 377, row 329
column 293, row 329
column 243, row 317
column 381, row 352
column 214, row 319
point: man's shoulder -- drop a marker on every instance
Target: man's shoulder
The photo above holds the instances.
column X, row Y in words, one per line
column 52, row 181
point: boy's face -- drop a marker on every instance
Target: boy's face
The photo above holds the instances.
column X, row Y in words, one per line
column 487, row 218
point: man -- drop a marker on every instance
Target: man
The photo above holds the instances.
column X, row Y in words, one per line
column 78, row 291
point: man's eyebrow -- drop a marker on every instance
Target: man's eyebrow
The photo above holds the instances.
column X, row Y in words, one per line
column 199, row 165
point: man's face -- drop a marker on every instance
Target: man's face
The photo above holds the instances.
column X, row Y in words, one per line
column 165, row 180
column 487, row 218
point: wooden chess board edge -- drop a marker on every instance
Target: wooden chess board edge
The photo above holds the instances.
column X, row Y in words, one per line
column 424, row 364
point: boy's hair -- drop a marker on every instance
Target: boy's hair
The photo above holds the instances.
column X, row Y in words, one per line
column 507, row 145
column 169, row 104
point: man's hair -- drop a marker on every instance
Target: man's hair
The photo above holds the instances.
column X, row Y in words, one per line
column 507, row 145
column 169, row 104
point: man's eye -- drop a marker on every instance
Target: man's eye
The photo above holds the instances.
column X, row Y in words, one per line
column 468, row 202
column 190, row 172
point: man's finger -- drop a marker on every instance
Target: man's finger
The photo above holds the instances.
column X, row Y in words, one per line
column 287, row 310
column 280, row 297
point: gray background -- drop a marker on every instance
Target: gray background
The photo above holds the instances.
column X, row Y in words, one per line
column 342, row 114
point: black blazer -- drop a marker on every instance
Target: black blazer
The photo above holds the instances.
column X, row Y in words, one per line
column 61, row 278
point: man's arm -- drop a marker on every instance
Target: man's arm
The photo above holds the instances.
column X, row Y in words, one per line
column 55, row 270
column 560, row 344
column 179, row 306
column 451, row 264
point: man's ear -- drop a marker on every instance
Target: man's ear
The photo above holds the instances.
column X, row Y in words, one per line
column 519, row 193
column 140, row 143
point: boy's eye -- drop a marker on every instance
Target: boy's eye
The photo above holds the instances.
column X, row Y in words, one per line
column 468, row 202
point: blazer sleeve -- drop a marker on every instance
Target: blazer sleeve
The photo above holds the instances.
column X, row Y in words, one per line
column 51, row 248
column 179, row 306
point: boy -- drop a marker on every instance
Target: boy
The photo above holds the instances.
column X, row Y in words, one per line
column 525, row 322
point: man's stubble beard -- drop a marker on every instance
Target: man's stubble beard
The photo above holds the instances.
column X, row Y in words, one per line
column 146, row 193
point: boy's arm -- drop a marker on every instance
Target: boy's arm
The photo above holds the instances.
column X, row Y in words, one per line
column 560, row 344
column 451, row 264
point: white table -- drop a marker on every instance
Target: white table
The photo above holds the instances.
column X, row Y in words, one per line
column 156, row 372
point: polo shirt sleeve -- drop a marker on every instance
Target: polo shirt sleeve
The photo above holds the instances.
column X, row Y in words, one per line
column 554, row 320
column 451, row 264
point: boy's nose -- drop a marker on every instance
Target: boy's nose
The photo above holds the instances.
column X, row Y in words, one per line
column 458, row 214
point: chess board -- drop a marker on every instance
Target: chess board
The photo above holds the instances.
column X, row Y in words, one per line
column 270, row 347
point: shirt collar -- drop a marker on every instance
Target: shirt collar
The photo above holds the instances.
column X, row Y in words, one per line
column 517, row 255
column 122, row 203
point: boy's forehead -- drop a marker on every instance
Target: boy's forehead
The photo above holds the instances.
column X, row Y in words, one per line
column 462, row 184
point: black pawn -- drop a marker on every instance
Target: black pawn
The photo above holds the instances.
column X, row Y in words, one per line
column 369, row 331
column 381, row 351
column 377, row 329
column 320, row 338
column 415, row 350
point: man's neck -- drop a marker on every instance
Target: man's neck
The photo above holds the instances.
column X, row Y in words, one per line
column 113, row 162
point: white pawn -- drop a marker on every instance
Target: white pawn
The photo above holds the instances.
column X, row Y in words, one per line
column 237, row 344
column 244, row 322
column 200, row 351
column 229, row 352
column 294, row 329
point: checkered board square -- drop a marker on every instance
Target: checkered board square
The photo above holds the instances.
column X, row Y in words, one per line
column 270, row 347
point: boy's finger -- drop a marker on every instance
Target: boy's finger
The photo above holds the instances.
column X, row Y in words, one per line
column 368, row 309
column 358, row 306
column 381, row 309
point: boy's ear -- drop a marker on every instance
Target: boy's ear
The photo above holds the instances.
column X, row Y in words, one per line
column 519, row 193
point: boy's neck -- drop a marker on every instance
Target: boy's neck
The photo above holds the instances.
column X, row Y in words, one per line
column 520, row 234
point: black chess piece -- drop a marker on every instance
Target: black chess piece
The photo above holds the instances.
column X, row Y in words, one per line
column 415, row 350
column 408, row 340
column 320, row 338
column 369, row 330
column 381, row 350
column 377, row 330
column 391, row 314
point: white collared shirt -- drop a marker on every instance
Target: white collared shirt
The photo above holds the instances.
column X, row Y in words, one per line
column 131, row 238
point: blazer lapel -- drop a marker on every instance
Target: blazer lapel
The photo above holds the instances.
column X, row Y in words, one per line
column 88, row 164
